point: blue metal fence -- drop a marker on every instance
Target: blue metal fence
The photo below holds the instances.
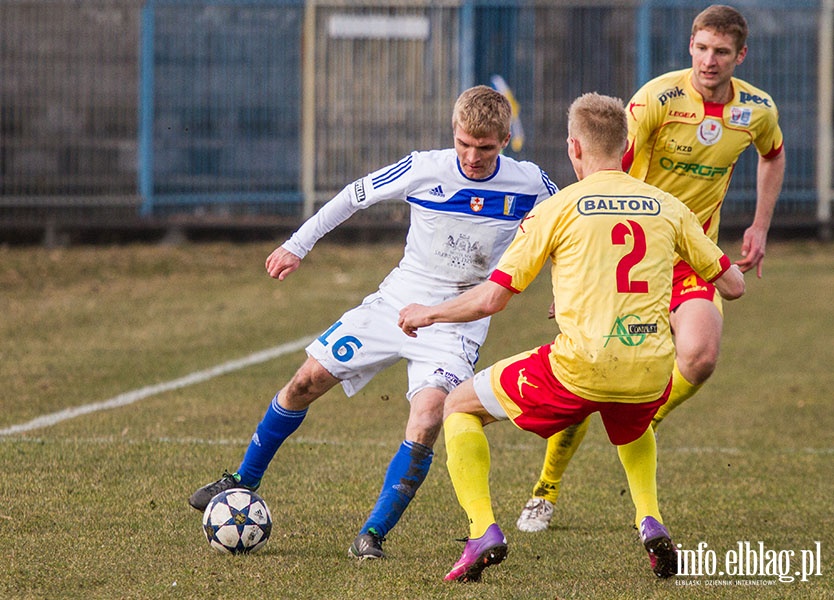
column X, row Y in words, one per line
column 220, row 106
column 198, row 107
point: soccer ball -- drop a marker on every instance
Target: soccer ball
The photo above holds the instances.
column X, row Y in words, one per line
column 237, row 521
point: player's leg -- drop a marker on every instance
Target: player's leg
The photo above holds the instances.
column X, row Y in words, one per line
column 468, row 463
column 284, row 415
column 538, row 511
column 405, row 474
column 638, row 455
column 639, row 460
column 437, row 360
column 350, row 352
column 697, row 324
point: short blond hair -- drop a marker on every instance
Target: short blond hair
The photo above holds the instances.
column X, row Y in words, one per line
column 481, row 112
column 725, row 20
column 600, row 123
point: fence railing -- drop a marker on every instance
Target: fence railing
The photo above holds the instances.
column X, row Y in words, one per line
column 264, row 108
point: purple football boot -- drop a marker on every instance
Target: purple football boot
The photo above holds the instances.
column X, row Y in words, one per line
column 478, row 554
column 657, row 542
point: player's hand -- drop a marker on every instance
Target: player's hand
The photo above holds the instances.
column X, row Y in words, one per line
column 412, row 317
column 281, row 263
column 753, row 250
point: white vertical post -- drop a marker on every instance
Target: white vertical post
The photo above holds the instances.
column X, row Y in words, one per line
column 825, row 126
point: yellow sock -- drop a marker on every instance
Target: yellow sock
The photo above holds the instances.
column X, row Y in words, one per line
column 560, row 449
column 639, row 460
column 468, row 463
column 681, row 391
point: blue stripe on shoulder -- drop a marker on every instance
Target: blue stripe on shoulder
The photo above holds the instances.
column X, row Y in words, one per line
column 393, row 173
column 551, row 187
column 483, row 203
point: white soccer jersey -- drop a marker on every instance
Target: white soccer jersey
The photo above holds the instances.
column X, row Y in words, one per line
column 459, row 226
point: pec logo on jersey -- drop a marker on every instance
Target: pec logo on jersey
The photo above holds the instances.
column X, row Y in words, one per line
column 709, row 132
column 740, row 116
column 476, row 204
column 755, row 99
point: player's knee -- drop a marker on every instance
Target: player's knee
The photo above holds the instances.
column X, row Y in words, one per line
column 698, row 367
column 308, row 383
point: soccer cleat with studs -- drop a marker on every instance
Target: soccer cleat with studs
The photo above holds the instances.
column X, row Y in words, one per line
column 367, row 545
column 478, row 554
column 536, row 515
column 658, row 543
column 201, row 498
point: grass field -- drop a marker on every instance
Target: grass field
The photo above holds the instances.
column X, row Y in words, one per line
column 95, row 506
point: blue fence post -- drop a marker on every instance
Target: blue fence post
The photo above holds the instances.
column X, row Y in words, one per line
column 644, row 43
column 467, row 44
column 146, row 109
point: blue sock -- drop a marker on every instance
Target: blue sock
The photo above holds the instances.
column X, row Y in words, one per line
column 406, row 471
column 276, row 426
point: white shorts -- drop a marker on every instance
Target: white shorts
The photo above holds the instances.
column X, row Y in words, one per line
column 482, row 384
column 366, row 340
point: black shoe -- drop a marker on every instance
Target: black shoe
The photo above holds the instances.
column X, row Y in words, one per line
column 201, row 498
column 367, row 545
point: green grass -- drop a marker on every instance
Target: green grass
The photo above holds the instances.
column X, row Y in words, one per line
column 95, row 506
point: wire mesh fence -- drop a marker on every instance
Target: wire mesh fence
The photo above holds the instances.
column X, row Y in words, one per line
column 123, row 110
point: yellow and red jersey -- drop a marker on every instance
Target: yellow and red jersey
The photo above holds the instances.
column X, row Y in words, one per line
column 689, row 147
column 612, row 240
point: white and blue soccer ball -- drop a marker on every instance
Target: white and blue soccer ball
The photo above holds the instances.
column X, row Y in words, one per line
column 237, row 521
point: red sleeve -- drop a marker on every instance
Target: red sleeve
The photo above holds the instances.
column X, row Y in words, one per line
column 775, row 152
column 504, row 280
column 628, row 158
column 725, row 264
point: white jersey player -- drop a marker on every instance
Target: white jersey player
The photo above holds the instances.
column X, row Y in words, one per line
column 466, row 205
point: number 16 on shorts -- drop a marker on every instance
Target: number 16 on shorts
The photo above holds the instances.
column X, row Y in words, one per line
column 342, row 348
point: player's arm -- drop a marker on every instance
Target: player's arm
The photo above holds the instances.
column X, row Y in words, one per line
column 730, row 284
column 769, row 177
column 642, row 119
column 708, row 260
column 287, row 258
column 476, row 303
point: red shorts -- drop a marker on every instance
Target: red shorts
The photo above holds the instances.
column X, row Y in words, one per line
column 547, row 407
column 686, row 285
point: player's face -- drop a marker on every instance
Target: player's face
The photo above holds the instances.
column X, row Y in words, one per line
column 714, row 59
column 477, row 156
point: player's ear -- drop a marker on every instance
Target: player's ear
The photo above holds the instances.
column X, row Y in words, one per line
column 742, row 54
column 574, row 147
column 506, row 141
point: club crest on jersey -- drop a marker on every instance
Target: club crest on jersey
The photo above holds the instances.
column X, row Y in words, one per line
column 709, row 132
column 476, row 204
column 740, row 116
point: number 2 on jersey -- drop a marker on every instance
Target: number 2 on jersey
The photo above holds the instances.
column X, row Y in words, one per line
column 618, row 237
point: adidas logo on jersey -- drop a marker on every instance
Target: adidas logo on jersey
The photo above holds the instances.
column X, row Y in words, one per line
column 437, row 191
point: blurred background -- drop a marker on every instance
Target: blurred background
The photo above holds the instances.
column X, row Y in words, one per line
column 187, row 119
